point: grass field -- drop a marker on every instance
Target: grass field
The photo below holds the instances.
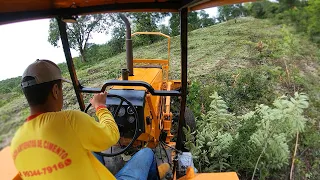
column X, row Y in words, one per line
column 226, row 52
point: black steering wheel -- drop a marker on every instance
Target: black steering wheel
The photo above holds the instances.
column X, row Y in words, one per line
column 115, row 115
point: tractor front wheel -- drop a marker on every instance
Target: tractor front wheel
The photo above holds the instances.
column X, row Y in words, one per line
column 190, row 119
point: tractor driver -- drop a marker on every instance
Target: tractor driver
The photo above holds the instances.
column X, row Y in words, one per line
column 55, row 144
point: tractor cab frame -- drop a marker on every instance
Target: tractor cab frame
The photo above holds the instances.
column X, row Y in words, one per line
column 16, row 10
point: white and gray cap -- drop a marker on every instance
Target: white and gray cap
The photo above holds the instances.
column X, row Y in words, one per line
column 42, row 71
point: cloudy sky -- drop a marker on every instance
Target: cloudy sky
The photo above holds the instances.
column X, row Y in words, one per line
column 24, row 42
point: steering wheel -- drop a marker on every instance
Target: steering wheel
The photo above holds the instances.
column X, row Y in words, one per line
column 115, row 115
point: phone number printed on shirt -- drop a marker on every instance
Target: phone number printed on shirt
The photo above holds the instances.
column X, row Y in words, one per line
column 46, row 170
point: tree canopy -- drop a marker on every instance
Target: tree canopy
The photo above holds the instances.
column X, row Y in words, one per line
column 231, row 12
column 146, row 22
column 196, row 20
column 80, row 32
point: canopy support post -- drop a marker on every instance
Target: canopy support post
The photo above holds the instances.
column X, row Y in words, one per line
column 184, row 63
column 184, row 84
column 67, row 53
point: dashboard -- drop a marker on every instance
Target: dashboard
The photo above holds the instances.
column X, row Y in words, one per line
column 125, row 118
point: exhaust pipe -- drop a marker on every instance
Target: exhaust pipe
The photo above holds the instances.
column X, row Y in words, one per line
column 125, row 74
column 128, row 45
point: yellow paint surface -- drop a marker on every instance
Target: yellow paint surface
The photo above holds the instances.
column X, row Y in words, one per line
column 153, row 76
column 214, row 176
column 143, row 74
column 7, row 168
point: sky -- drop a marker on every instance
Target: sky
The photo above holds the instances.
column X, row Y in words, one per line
column 22, row 43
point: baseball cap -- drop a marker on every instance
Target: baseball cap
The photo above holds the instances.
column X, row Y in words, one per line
column 42, row 71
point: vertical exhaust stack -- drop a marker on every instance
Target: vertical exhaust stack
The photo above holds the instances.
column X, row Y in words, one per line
column 128, row 45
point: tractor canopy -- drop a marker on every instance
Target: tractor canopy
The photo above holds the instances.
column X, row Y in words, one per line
column 22, row 10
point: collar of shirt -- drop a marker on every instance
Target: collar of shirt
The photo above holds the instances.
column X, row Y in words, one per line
column 32, row 117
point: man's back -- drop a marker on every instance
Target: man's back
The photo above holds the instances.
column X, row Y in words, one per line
column 55, row 145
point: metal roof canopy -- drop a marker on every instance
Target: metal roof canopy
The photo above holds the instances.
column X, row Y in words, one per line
column 22, row 10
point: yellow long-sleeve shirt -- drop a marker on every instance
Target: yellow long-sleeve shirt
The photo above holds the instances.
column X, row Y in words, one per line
column 59, row 145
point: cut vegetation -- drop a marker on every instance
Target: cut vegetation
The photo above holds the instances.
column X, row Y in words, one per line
column 247, row 63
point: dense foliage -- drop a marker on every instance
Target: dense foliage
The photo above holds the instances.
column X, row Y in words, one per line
column 10, row 85
column 9, row 89
column 249, row 62
column 304, row 15
column 305, row 18
column 252, row 144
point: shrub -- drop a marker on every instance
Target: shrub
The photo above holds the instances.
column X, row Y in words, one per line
column 244, row 89
column 254, row 143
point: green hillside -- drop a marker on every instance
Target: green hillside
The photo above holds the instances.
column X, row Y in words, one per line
column 249, row 62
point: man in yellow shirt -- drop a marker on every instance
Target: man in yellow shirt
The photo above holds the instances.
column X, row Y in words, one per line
column 55, row 144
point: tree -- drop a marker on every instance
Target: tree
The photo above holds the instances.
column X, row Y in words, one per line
column 196, row 20
column 205, row 20
column 146, row 22
column 289, row 4
column 164, row 29
column 118, row 39
column 304, row 15
column 174, row 24
column 230, row 12
column 80, row 32
column 263, row 9
column 193, row 21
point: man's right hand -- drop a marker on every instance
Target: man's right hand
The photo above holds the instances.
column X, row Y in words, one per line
column 99, row 100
